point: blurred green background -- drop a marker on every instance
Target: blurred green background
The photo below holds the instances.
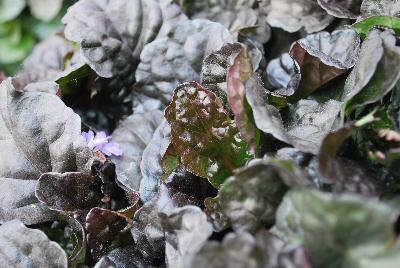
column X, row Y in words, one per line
column 23, row 23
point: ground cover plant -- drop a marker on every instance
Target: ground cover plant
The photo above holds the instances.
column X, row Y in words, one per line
column 161, row 133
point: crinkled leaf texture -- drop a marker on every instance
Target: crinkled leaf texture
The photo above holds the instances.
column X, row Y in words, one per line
column 203, row 134
column 235, row 16
column 186, row 231
column 376, row 72
column 122, row 258
column 324, row 223
column 150, row 165
column 39, row 134
column 250, row 198
column 133, row 135
column 47, row 60
column 293, row 15
column 348, row 9
column 302, row 125
column 180, row 189
column 322, row 57
column 237, row 75
column 380, row 7
column 174, row 59
column 112, row 34
column 347, row 176
column 24, row 247
column 69, row 192
column 243, row 250
column 215, row 68
column 103, row 228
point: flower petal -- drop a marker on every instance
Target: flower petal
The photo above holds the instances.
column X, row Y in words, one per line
column 111, row 148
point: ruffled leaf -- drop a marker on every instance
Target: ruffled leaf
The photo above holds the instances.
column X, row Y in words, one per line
column 174, row 59
column 21, row 246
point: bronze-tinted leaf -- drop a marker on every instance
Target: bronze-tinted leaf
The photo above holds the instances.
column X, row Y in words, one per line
column 70, row 192
column 104, row 229
column 203, row 135
column 237, row 75
column 39, row 134
column 322, row 57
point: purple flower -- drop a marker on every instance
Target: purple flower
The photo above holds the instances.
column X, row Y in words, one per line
column 101, row 142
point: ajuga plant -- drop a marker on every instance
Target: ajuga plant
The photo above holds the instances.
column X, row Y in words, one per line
column 160, row 133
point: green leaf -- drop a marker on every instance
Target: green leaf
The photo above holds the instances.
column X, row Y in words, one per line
column 250, row 198
column 339, row 230
column 169, row 161
column 71, row 79
column 328, row 166
column 203, row 135
column 10, row 9
column 363, row 27
column 15, row 44
column 45, row 10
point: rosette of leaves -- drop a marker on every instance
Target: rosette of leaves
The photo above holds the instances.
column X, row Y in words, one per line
column 292, row 15
column 41, row 138
column 95, row 201
column 174, row 59
column 203, row 135
column 332, row 228
column 112, row 34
